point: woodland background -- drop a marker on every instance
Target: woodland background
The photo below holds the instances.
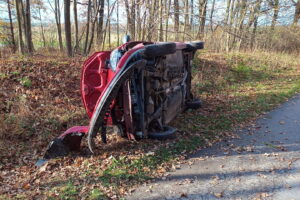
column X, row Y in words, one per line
column 81, row 27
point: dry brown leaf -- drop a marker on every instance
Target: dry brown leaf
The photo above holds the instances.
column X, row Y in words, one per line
column 218, row 194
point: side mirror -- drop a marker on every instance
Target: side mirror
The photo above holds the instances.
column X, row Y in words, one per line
column 126, row 39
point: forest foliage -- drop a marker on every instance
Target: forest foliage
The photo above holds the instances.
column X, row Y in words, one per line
column 81, row 27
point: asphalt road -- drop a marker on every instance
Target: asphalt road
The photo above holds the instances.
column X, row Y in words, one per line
column 264, row 163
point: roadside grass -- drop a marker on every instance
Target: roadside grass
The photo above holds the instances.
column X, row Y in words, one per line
column 235, row 89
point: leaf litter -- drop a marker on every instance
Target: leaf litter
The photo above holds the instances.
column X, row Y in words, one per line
column 41, row 98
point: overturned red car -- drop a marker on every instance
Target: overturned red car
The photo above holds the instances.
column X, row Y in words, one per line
column 139, row 88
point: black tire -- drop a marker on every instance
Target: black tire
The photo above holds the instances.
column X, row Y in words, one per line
column 161, row 49
column 166, row 134
column 193, row 104
column 196, row 45
column 190, row 48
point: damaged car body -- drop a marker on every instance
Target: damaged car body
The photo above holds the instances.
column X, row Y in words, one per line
column 140, row 87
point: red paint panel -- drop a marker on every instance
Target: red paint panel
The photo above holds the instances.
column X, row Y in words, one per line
column 93, row 80
column 74, row 129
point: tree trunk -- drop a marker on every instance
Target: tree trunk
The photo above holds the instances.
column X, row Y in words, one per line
column 109, row 13
column 253, row 33
column 12, row 34
column 92, row 36
column 130, row 12
column 176, row 19
column 231, row 21
column 151, row 22
column 58, row 24
column 109, row 30
column 275, row 14
column 133, row 18
column 275, row 5
column 68, row 34
column 161, row 33
column 144, row 20
column 96, row 10
column 243, row 11
column 118, row 25
column 212, row 14
column 168, row 6
column 28, row 28
column 23, row 21
column 138, row 20
column 253, row 20
column 100, row 23
column 297, row 12
column 192, row 17
column 202, row 18
column 87, row 27
column 19, row 19
column 42, row 28
column 227, row 12
column 186, row 19
column 76, row 24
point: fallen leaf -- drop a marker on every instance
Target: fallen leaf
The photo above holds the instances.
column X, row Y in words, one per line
column 26, row 186
column 184, row 195
column 218, row 194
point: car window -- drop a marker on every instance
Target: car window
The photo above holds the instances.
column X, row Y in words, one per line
column 115, row 56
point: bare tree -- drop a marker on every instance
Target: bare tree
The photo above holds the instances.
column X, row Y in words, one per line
column 256, row 15
column 28, row 28
column 19, row 19
column 138, row 19
column 275, row 5
column 176, row 19
column 297, row 12
column 24, row 26
column 100, row 22
column 87, row 27
column 212, row 14
column 186, row 18
column 57, row 15
column 42, row 26
column 68, row 34
column 108, row 22
column 118, row 25
column 76, row 24
column 192, row 16
column 11, row 27
column 130, row 12
column 202, row 18
column 167, row 7
column 161, row 33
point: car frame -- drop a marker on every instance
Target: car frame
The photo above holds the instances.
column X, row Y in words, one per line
column 139, row 87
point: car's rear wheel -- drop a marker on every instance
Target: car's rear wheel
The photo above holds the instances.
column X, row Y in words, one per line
column 160, row 49
column 197, row 45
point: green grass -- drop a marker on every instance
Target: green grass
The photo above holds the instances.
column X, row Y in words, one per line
column 26, row 82
column 66, row 191
column 96, row 194
column 235, row 87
